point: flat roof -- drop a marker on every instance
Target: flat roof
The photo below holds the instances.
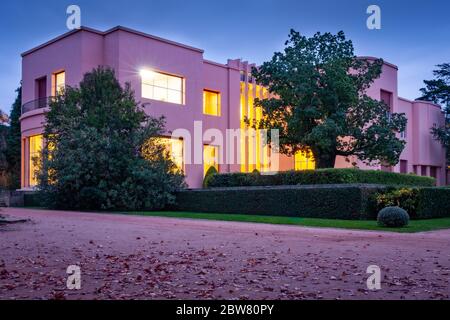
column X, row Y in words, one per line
column 104, row 33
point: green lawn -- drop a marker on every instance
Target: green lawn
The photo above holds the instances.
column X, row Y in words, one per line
column 414, row 225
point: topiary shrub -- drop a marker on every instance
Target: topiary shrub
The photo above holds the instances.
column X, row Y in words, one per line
column 211, row 171
column 393, row 217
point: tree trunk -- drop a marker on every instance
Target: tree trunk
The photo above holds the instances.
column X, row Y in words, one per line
column 325, row 160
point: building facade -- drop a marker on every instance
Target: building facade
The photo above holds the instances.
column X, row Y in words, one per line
column 197, row 97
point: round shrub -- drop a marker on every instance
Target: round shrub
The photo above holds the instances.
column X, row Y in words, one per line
column 393, row 217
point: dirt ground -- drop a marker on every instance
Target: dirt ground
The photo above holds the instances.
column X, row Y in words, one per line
column 131, row 257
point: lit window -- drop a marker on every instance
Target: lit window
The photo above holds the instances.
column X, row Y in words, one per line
column 162, row 87
column 175, row 149
column 59, row 83
column 211, row 103
column 210, row 158
column 34, row 154
column 304, row 160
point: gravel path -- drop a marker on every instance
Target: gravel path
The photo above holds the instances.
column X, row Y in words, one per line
column 131, row 257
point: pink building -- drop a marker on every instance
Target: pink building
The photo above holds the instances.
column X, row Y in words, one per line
column 174, row 80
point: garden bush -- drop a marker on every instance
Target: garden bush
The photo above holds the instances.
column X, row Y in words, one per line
column 420, row 203
column 333, row 201
column 212, row 170
column 406, row 198
column 320, row 176
column 393, row 217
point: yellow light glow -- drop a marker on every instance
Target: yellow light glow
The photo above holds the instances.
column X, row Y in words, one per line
column 210, row 158
column 211, row 103
column 175, row 149
column 147, row 74
column 34, row 154
column 304, row 160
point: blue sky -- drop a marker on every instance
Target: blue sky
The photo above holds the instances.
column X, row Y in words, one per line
column 415, row 35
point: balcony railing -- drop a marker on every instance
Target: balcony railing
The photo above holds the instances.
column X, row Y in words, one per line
column 36, row 104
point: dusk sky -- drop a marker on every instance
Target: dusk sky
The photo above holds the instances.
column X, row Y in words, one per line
column 414, row 35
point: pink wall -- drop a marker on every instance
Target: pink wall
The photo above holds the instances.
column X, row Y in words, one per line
column 128, row 51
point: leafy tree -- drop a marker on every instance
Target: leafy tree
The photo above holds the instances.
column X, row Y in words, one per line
column 318, row 102
column 13, row 143
column 100, row 152
column 438, row 91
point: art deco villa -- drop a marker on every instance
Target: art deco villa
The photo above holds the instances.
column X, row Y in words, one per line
column 174, row 80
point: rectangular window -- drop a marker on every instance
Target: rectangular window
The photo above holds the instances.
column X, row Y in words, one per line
column 386, row 97
column 304, row 160
column 41, row 88
column 242, row 76
column 162, row 87
column 175, row 149
column 433, row 172
column 210, row 158
column 403, row 166
column 59, row 82
column 211, row 103
column 423, row 170
column 35, row 148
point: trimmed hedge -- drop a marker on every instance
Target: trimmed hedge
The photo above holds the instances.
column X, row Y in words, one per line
column 331, row 201
column 320, row 176
column 433, row 203
column 421, row 203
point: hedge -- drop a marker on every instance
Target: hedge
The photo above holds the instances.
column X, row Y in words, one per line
column 320, row 176
column 318, row 201
column 420, row 203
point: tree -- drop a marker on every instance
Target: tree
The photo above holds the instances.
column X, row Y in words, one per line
column 99, row 151
column 13, row 143
column 318, row 102
column 438, row 91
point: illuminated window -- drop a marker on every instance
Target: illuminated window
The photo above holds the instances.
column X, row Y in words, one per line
column 210, row 158
column 35, row 147
column 59, row 82
column 211, row 103
column 304, row 160
column 162, row 87
column 175, row 148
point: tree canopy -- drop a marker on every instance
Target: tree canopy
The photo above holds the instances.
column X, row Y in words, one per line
column 438, row 91
column 318, row 102
column 100, row 152
column 11, row 155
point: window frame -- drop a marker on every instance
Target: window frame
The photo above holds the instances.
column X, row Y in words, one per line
column 217, row 157
column 168, row 74
column 54, row 82
column 32, row 181
column 219, row 103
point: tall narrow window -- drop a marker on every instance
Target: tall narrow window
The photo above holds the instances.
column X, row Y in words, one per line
column 162, row 87
column 304, row 160
column 59, row 82
column 386, row 97
column 210, row 158
column 403, row 166
column 35, row 149
column 211, row 103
